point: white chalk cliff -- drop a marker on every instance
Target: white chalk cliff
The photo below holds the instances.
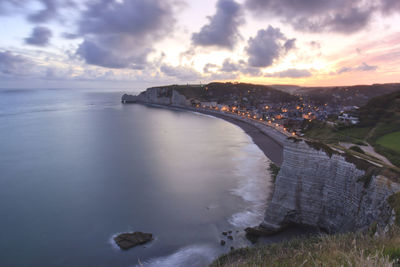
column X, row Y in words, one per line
column 326, row 191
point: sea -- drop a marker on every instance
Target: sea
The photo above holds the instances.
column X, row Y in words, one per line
column 77, row 168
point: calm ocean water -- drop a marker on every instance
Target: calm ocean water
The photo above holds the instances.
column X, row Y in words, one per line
column 77, row 168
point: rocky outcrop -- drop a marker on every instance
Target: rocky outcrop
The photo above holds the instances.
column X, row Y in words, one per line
column 129, row 240
column 158, row 95
column 323, row 189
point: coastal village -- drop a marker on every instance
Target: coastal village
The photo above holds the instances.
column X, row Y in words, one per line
column 289, row 117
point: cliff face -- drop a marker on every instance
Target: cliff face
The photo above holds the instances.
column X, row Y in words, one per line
column 161, row 96
column 325, row 191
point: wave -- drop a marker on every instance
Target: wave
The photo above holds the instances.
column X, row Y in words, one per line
column 197, row 255
column 253, row 187
column 205, row 115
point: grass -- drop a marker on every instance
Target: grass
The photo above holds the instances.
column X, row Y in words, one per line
column 390, row 141
column 350, row 249
column 274, row 169
column 357, row 133
column 394, row 201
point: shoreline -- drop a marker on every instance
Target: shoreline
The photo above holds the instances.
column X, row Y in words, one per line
column 267, row 139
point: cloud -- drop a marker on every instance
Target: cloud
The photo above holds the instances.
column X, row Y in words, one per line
column 49, row 8
column 363, row 67
column 48, row 12
column 390, row 6
column 122, row 33
column 320, row 15
column 231, row 69
column 222, row 29
column 40, row 36
column 229, row 66
column 95, row 54
column 209, row 68
column 70, row 36
column 11, row 64
column 268, row 46
column 180, row 72
column 290, row 73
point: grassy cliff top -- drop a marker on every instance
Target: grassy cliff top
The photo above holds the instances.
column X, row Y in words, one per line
column 350, row 249
column 225, row 92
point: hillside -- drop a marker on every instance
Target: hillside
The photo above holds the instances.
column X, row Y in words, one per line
column 357, row 95
column 230, row 92
column 379, row 126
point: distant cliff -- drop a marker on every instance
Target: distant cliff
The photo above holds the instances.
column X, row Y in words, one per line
column 158, row 95
column 325, row 189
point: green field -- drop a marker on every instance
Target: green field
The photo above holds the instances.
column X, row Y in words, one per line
column 391, row 141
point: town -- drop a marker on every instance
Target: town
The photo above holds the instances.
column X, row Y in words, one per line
column 290, row 116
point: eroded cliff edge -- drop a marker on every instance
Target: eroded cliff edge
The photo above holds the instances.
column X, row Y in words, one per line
column 327, row 190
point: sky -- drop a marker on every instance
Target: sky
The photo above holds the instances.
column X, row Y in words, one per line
column 135, row 44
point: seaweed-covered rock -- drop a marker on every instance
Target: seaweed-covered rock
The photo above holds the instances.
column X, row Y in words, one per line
column 129, row 240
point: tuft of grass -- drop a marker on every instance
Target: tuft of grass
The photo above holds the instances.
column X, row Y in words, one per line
column 321, row 146
column 349, row 249
column 274, row 169
column 394, row 202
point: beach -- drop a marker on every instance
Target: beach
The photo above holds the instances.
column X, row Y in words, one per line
column 266, row 138
column 269, row 140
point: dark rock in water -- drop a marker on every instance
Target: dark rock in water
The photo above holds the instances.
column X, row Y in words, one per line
column 253, row 233
column 230, row 237
column 129, row 240
column 225, row 233
column 252, row 238
column 223, row 242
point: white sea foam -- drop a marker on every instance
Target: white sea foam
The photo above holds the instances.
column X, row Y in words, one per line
column 205, row 115
column 197, row 255
column 253, row 187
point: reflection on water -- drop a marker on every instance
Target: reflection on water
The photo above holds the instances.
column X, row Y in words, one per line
column 77, row 167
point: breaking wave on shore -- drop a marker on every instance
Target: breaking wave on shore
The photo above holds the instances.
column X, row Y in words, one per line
column 254, row 186
column 196, row 255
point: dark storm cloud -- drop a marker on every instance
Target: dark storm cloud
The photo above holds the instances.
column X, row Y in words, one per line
column 222, row 29
column 12, row 64
column 40, row 36
column 268, row 45
column 121, row 34
column 290, row 73
column 324, row 15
